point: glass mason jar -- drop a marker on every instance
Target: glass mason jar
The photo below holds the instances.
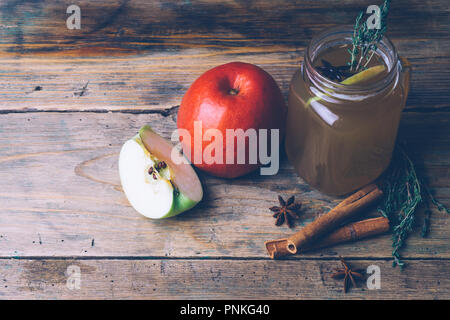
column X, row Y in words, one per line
column 341, row 137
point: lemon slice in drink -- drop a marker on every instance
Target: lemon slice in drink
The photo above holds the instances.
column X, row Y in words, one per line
column 364, row 75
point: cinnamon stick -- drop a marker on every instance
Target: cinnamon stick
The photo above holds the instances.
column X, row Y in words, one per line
column 351, row 232
column 331, row 220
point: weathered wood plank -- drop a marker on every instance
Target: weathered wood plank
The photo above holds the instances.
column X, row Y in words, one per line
column 216, row 279
column 40, row 26
column 140, row 55
column 155, row 82
column 60, row 194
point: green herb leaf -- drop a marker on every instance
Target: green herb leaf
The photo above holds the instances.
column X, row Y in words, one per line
column 404, row 193
column 364, row 40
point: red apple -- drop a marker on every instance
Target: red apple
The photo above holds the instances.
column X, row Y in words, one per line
column 233, row 96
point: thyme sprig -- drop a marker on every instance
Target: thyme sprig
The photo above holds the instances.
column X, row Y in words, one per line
column 404, row 193
column 365, row 41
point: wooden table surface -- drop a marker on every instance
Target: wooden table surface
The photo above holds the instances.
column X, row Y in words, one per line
column 70, row 98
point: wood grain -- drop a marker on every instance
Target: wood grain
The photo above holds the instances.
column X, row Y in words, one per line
column 40, row 26
column 60, row 190
column 216, row 279
column 140, row 55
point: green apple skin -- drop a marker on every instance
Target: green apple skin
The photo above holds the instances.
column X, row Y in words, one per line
column 180, row 204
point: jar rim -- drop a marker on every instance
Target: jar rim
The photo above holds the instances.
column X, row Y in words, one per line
column 345, row 32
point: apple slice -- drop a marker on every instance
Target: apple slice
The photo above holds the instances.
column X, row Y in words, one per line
column 155, row 186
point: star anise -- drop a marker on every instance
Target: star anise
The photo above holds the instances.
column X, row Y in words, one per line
column 350, row 276
column 287, row 212
column 338, row 73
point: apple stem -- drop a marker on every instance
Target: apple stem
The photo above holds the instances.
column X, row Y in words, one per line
column 234, row 92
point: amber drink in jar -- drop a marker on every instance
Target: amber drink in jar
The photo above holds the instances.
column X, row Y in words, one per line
column 340, row 137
